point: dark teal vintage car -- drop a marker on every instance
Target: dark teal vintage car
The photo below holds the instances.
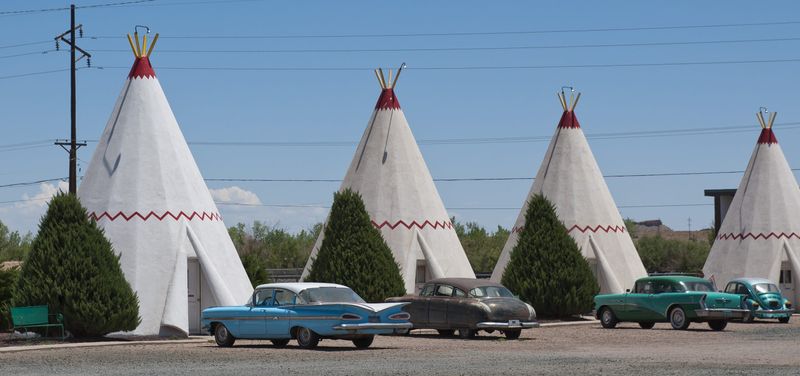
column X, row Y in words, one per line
column 762, row 298
column 679, row 300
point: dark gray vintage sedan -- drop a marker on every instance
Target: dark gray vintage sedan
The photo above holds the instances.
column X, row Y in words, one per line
column 468, row 305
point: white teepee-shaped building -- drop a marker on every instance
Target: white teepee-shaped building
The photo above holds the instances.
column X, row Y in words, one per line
column 760, row 235
column 144, row 188
column 570, row 178
column 390, row 174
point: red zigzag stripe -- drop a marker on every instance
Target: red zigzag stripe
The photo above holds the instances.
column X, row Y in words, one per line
column 762, row 235
column 211, row 216
column 598, row 228
column 435, row 224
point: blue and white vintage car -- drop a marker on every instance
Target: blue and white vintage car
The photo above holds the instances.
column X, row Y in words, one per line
column 763, row 299
column 307, row 312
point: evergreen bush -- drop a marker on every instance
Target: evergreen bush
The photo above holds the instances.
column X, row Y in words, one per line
column 546, row 267
column 8, row 279
column 73, row 270
column 353, row 252
column 255, row 266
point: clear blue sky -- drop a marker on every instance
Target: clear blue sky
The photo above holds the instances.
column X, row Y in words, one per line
column 304, row 107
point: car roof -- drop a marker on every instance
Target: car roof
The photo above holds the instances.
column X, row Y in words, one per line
column 465, row 284
column 753, row 281
column 296, row 287
column 674, row 278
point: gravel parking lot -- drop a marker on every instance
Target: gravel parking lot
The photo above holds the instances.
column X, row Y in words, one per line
column 760, row 348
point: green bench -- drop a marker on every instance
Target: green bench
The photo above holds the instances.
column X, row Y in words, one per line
column 35, row 317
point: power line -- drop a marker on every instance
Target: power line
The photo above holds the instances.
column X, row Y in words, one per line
column 467, row 68
column 499, row 178
column 471, row 33
column 46, row 10
column 26, row 44
column 28, row 53
column 503, row 140
column 31, row 182
column 34, row 73
column 451, row 49
column 488, row 208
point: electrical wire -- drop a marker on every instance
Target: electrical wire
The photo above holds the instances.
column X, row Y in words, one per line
column 22, row 184
column 472, row 33
column 467, row 68
column 44, row 52
column 456, row 49
column 26, row 44
column 59, row 9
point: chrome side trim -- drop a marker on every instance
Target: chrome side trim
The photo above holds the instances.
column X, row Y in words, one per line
column 270, row 317
column 721, row 313
column 508, row 325
column 374, row 325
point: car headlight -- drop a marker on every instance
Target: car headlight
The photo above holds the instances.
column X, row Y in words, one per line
column 788, row 304
column 531, row 311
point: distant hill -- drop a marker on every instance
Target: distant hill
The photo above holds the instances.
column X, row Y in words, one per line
column 656, row 227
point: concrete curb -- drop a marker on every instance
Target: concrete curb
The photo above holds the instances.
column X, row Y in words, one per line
column 14, row 349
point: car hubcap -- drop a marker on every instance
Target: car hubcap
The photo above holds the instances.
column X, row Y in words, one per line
column 677, row 317
column 304, row 335
column 606, row 316
column 222, row 333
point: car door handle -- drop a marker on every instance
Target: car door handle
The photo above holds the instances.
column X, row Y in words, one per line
column 275, row 317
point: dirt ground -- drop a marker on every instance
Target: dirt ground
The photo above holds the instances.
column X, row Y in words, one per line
column 761, row 348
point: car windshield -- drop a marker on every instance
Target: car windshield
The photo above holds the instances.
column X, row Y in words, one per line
column 491, row 291
column 765, row 288
column 697, row 286
column 330, row 295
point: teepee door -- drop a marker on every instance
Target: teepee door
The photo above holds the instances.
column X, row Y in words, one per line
column 787, row 283
column 193, row 284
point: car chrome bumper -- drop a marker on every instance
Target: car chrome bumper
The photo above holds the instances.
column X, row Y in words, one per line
column 773, row 312
column 374, row 325
column 721, row 313
column 510, row 324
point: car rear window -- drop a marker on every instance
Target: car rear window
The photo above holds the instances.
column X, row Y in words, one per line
column 491, row 291
column 697, row 286
column 765, row 288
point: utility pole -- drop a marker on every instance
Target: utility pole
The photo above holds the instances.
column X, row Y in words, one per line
column 72, row 142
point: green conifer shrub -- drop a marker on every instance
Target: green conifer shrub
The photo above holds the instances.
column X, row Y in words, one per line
column 74, row 271
column 546, row 267
column 353, row 252
column 8, row 280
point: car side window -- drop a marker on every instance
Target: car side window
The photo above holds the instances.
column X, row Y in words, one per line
column 730, row 288
column 444, row 290
column 284, row 297
column 643, row 287
column 262, row 298
column 458, row 293
column 427, row 290
column 742, row 289
column 662, row 287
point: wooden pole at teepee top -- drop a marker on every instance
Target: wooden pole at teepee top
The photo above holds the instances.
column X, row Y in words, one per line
column 562, row 100
column 575, row 102
column 760, row 118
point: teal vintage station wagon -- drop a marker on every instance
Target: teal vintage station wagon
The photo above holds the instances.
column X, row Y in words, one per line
column 679, row 300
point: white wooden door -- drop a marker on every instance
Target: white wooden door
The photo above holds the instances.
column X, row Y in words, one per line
column 787, row 283
column 193, row 285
